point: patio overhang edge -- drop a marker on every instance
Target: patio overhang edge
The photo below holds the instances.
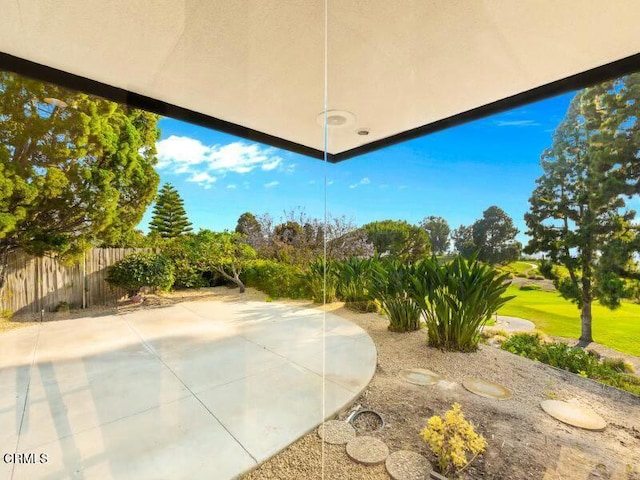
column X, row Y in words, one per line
column 577, row 81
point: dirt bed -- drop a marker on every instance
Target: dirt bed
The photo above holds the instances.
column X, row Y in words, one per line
column 523, row 442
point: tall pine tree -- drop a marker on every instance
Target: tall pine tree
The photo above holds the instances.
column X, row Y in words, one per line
column 169, row 217
column 579, row 216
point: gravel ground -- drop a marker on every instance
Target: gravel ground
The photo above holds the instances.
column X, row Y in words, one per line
column 523, row 442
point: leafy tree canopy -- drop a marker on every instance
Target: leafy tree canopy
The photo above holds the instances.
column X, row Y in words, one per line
column 73, row 168
column 223, row 252
column 438, row 230
column 578, row 214
column 494, row 237
column 398, row 239
column 463, row 241
column 169, row 217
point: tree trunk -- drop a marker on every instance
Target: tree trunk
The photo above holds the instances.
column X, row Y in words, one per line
column 586, row 337
column 235, row 278
column 239, row 283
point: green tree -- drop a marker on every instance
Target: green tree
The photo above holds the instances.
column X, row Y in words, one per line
column 74, row 169
column 398, row 239
column 494, row 235
column 249, row 226
column 438, row 230
column 578, row 214
column 222, row 252
column 463, row 241
column 169, row 217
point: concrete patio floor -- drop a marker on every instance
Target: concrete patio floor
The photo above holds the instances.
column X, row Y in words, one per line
column 195, row 390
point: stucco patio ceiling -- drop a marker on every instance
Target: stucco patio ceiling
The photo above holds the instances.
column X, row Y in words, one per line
column 256, row 68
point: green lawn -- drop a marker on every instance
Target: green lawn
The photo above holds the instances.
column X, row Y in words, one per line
column 618, row 329
column 516, row 268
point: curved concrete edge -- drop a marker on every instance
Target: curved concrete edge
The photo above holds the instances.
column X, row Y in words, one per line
column 279, row 347
column 336, row 412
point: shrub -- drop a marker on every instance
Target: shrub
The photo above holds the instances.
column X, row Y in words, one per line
column 181, row 251
column 546, row 268
column 618, row 365
column 576, row 360
column 276, row 279
column 391, row 286
column 316, row 284
column 63, row 307
column 452, row 439
column 529, row 287
column 362, row 306
column 139, row 270
column 457, row 299
column 354, row 278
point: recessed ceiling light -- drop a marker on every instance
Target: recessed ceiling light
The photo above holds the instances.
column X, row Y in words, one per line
column 336, row 118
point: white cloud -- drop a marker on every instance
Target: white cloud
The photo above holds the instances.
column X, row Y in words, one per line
column 312, row 182
column 363, row 181
column 271, row 165
column 330, row 182
column 189, row 155
column 203, row 179
column 517, row 123
column 272, row 184
column 290, row 168
column 232, row 186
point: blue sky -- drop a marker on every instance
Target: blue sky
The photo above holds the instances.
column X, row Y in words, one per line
column 456, row 173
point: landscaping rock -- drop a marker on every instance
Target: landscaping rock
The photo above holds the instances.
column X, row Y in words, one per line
column 406, row 465
column 487, row 388
column 574, row 414
column 420, row 376
column 336, row 432
column 367, row 450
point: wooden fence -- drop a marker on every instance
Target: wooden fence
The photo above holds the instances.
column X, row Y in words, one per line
column 33, row 284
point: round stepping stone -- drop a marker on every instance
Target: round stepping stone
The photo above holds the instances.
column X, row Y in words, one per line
column 367, row 450
column 406, row 465
column 419, row 376
column 486, row 388
column 336, row 432
column 574, row 414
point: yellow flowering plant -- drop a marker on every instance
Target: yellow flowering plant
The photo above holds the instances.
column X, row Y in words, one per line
column 452, row 439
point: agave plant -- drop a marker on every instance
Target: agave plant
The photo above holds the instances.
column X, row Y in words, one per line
column 457, row 299
column 390, row 286
column 322, row 280
column 354, row 282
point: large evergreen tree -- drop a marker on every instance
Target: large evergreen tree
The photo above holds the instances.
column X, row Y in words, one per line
column 438, row 230
column 74, row 169
column 398, row 239
column 494, row 236
column 578, row 214
column 169, row 218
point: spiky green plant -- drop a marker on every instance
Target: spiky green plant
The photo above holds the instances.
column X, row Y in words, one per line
column 457, row 299
column 390, row 286
column 354, row 281
column 315, row 279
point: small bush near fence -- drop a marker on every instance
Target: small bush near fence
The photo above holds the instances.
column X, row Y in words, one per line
column 140, row 270
column 575, row 360
column 276, row 279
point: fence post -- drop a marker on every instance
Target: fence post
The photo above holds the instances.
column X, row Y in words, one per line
column 84, row 280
